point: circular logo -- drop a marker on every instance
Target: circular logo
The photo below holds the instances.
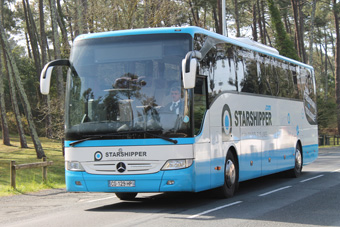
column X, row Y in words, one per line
column 226, row 120
column 98, row 156
column 121, row 167
column 186, row 119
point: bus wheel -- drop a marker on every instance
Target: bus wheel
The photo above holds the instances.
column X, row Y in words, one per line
column 230, row 178
column 126, row 195
column 296, row 172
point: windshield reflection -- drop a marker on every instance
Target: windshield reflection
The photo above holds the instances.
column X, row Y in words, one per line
column 110, row 95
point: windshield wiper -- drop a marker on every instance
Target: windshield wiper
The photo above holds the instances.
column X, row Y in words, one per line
column 161, row 137
column 85, row 139
column 122, row 133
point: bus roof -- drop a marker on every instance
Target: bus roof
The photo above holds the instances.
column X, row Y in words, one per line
column 192, row 30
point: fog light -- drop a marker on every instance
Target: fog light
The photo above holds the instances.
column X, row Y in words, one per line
column 78, row 182
column 170, row 182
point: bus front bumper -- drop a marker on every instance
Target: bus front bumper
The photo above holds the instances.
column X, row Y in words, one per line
column 163, row 181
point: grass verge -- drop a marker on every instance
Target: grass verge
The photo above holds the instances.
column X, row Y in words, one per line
column 30, row 180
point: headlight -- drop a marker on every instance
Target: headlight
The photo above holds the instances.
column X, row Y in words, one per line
column 74, row 166
column 177, row 164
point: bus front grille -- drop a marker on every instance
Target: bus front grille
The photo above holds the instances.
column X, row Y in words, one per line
column 128, row 167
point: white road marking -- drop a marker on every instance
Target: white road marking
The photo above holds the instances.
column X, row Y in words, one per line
column 91, row 201
column 312, row 178
column 337, row 170
column 276, row 190
column 217, row 208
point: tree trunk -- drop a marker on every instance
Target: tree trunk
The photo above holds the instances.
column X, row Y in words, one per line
column 79, row 29
column 69, row 22
column 311, row 34
column 84, row 14
column 295, row 13
column 220, row 17
column 333, row 46
column 57, row 53
column 146, row 13
column 46, row 100
column 32, row 37
column 42, row 33
column 301, row 35
column 286, row 22
column 14, row 100
column 326, row 68
column 237, row 19
column 264, row 30
column 4, row 124
column 28, row 46
column 61, row 22
column 194, row 14
column 26, row 105
column 298, row 19
column 260, row 21
column 217, row 23
column 336, row 11
column 254, row 22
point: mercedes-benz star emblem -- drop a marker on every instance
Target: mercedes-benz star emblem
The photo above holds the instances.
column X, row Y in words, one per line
column 121, row 167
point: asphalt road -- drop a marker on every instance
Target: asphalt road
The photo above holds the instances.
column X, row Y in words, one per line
column 276, row 200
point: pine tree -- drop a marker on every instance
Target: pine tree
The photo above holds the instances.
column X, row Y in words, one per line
column 282, row 42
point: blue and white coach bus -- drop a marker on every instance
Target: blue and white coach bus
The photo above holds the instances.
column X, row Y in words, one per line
column 182, row 109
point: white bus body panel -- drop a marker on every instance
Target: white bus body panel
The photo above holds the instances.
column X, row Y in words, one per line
column 266, row 144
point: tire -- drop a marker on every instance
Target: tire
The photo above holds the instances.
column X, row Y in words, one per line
column 296, row 171
column 126, row 195
column 230, row 178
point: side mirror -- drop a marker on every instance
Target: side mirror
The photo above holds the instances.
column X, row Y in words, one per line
column 189, row 69
column 46, row 73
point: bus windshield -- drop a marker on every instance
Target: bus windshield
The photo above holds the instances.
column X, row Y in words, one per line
column 128, row 86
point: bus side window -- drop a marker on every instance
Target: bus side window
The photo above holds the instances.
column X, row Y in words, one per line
column 224, row 69
column 239, row 69
column 200, row 102
column 264, row 85
column 247, row 73
column 283, row 81
column 273, row 77
column 294, row 77
column 250, row 82
column 292, row 88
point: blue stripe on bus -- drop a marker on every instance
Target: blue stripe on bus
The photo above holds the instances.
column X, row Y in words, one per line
column 129, row 142
column 310, row 153
column 142, row 31
column 261, row 166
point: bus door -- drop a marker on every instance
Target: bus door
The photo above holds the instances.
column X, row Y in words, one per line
column 203, row 130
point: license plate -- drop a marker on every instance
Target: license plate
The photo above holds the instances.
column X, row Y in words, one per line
column 121, row 183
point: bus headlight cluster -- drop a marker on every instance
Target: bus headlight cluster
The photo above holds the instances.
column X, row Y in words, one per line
column 177, row 164
column 74, row 166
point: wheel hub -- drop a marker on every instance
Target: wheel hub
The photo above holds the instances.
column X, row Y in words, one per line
column 230, row 173
column 298, row 159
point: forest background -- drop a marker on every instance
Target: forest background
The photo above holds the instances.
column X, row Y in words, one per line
column 37, row 31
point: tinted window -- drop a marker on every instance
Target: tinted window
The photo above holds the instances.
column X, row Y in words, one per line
column 232, row 68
